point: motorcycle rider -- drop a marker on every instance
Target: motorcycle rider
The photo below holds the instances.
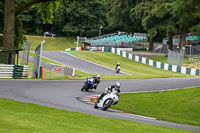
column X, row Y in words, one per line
column 96, row 81
column 111, row 88
column 117, row 67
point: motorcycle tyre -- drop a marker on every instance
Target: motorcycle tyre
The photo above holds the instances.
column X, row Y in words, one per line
column 84, row 88
column 117, row 71
column 105, row 107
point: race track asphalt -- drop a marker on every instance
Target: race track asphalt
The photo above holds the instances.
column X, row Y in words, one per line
column 78, row 63
column 63, row 95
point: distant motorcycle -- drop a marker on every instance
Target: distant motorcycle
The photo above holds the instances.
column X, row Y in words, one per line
column 89, row 85
column 109, row 99
column 118, row 69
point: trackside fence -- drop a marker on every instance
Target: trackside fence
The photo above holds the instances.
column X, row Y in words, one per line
column 157, row 64
column 175, row 58
column 58, row 69
column 50, row 66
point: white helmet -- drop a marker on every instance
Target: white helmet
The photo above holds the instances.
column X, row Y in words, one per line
column 118, row 63
column 98, row 76
column 117, row 85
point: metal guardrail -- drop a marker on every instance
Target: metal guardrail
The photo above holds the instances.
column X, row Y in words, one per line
column 20, row 71
column 6, row 71
column 13, row 71
column 193, row 60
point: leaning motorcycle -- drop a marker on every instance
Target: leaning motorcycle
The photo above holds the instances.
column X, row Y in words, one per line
column 109, row 99
column 89, row 84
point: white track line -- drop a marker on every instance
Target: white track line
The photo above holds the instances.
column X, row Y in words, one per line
column 159, row 90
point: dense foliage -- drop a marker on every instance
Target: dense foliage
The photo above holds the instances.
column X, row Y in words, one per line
column 168, row 17
column 71, row 18
column 84, row 18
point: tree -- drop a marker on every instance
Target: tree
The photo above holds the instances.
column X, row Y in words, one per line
column 195, row 29
column 32, row 21
column 71, row 18
column 80, row 18
column 143, row 12
column 164, row 16
column 11, row 12
column 163, row 12
column 1, row 22
column 119, row 16
column 186, row 12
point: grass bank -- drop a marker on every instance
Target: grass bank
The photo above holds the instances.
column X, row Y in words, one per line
column 17, row 117
column 52, row 43
column 136, row 70
column 180, row 106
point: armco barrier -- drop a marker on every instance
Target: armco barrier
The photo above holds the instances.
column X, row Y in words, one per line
column 20, row 71
column 6, row 71
column 157, row 64
column 13, row 71
column 76, row 49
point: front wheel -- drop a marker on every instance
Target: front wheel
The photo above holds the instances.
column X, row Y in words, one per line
column 107, row 104
column 84, row 88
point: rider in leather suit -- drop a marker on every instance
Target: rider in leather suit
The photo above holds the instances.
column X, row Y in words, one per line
column 112, row 88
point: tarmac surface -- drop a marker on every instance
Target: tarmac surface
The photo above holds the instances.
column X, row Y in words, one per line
column 64, row 94
column 78, row 63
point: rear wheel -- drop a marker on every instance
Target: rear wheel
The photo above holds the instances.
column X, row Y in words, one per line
column 107, row 104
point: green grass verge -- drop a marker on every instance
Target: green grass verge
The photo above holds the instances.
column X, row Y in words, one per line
column 52, row 44
column 17, row 117
column 136, row 70
column 180, row 106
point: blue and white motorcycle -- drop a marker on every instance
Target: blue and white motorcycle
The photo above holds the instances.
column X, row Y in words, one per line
column 89, row 85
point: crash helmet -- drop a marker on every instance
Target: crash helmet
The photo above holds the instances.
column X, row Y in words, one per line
column 98, row 76
column 118, row 63
column 117, row 85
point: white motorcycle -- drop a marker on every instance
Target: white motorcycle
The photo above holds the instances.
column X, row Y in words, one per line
column 109, row 99
column 118, row 69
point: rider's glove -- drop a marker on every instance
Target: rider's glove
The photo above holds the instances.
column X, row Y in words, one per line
column 106, row 90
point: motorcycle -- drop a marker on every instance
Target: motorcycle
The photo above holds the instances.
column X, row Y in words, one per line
column 118, row 69
column 111, row 98
column 89, row 84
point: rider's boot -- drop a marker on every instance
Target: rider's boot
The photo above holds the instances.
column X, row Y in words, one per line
column 95, row 87
column 99, row 98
